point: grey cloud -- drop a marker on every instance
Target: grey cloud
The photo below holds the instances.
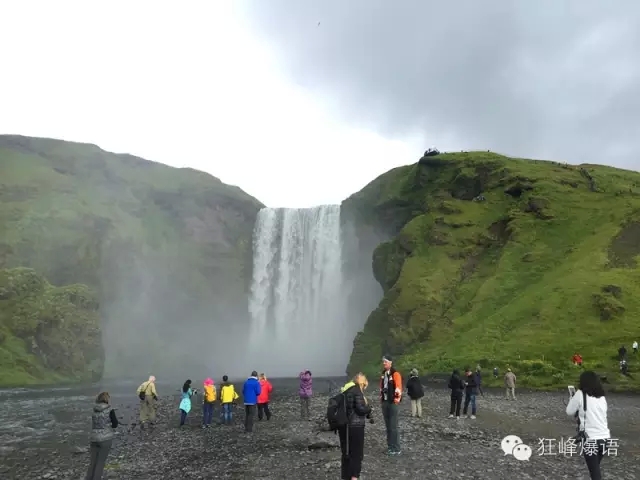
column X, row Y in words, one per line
column 547, row 79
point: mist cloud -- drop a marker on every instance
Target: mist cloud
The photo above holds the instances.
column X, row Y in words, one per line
column 544, row 79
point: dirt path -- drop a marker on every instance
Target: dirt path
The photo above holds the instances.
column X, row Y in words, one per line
column 434, row 447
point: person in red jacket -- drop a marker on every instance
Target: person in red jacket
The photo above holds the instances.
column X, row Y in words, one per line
column 263, row 398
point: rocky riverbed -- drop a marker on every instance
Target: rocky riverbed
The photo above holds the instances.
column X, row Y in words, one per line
column 433, row 446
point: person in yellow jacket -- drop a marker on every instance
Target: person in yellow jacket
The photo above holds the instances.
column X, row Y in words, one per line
column 228, row 396
column 208, row 399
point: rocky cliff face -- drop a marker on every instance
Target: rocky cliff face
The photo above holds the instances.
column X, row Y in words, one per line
column 502, row 262
column 167, row 250
column 47, row 333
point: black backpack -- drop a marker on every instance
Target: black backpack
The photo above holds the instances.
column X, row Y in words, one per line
column 337, row 412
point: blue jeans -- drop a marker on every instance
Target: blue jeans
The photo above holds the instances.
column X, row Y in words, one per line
column 227, row 412
column 469, row 399
column 207, row 413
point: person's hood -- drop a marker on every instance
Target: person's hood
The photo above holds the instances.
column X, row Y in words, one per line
column 208, row 382
column 414, row 372
column 254, row 378
column 347, row 386
column 226, row 384
column 101, row 407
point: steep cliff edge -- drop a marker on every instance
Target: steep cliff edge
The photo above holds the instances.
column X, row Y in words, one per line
column 168, row 251
column 502, row 262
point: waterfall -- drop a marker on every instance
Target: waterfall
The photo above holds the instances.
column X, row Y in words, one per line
column 297, row 302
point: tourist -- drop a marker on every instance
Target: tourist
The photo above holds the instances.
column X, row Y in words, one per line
column 470, row 392
column 591, row 406
column 622, row 353
column 495, row 372
column 352, row 434
column 228, row 397
column 635, row 346
column 510, row 384
column 457, row 388
column 185, row 401
column 390, row 397
column 148, row 398
column 103, row 421
column 305, row 392
column 263, row 398
column 415, row 392
column 250, row 393
column 208, row 400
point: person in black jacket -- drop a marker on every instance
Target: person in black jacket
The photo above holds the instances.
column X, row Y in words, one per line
column 415, row 391
column 457, row 388
column 352, row 434
column 470, row 392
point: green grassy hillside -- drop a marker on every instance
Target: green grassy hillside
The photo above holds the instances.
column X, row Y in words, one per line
column 504, row 262
column 165, row 249
column 47, row 334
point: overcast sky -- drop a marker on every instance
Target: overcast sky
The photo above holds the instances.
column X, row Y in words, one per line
column 303, row 102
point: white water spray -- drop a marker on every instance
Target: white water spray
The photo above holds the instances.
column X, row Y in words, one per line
column 297, row 300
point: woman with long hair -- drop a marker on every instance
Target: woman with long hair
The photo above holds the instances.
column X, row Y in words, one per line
column 185, row 403
column 590, row 404
column 352, row 434
column 103, row 422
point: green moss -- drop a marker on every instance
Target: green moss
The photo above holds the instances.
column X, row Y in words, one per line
column 509, row 262
column 47, row 334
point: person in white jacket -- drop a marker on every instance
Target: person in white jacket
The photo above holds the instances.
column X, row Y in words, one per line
column 593, row 420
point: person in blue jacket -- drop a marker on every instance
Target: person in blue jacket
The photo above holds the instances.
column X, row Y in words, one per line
column 250, row 393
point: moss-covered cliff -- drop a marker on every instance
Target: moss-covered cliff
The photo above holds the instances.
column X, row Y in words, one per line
column 503, row 261
column 47, row 334
column 167, row 250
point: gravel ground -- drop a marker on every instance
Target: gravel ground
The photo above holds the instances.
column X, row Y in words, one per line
column 434, row 447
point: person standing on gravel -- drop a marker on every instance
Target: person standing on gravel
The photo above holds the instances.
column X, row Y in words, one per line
column 470, row 392
column 305, row 392
column 457, row 388
column 390, row 397
column 263, row 400
column 228, row 396
column 208, row 400
column 148, row 398
column 250, row 392
column 635, row 346
column 103, row 422
column 590, row 404
column 415, row 391
column 185, row 401
column 352, row 434
column 510, row 384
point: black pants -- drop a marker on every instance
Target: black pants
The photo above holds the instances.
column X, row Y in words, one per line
column 593, row 461
column 99, row 452
column 352, row 447
column 263, row 409
column 249, row 415
column 183, row 417
column 456, row 404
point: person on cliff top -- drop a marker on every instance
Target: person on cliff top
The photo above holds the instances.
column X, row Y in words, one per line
column 185, row 401
column 456, row 385
column 228, row 397
column 208, row 400
column 250, row 392
column 305, row 392
column 415, row 391
column 263, row 399
column 470, row 392
column 103, row 423
column 390, row 398
column 148, row 398
column 352, row 434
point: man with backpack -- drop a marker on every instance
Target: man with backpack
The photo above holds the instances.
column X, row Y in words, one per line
column 390, row 397
column 415, row 391
column 346, row 415
column 147, row 395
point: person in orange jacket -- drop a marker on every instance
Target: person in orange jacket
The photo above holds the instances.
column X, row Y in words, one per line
column 390, row 396
column 263, row 398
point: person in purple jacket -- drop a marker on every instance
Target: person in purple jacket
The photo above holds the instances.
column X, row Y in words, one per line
column 306, row 384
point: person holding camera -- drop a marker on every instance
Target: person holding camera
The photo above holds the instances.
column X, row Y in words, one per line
column 390, row 397
column 352, row 434
column 590, row 405
column 185, row 402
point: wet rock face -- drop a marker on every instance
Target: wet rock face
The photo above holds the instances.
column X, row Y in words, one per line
column 286, row 447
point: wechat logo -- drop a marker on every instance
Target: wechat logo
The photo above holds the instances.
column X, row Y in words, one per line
column 513, row 445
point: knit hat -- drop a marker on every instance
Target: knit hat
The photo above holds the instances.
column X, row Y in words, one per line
column 414, row 372
column 387, row 358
